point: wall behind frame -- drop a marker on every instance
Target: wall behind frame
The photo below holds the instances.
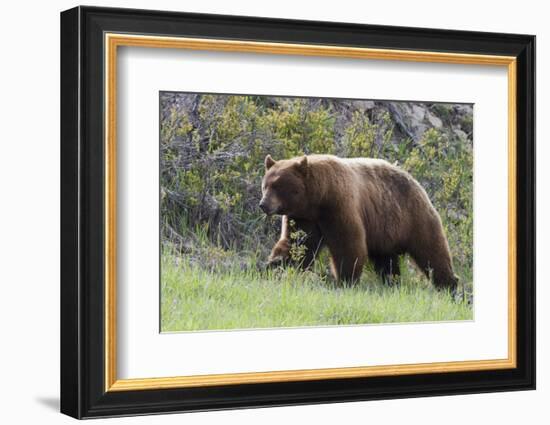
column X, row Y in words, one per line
column 29, row 219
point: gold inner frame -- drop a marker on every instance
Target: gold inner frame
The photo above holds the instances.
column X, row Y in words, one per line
column 113, row 41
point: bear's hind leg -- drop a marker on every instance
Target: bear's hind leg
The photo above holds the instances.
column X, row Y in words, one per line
column 436, row 264
column 387, row 266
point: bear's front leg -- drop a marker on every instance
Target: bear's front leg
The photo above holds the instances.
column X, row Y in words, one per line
column 347, row 265
column 280, row 253
column 347, row 243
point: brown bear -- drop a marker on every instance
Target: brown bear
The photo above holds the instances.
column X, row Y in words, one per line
column 361, row 209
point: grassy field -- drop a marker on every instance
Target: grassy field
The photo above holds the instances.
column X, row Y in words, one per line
column 239, row 297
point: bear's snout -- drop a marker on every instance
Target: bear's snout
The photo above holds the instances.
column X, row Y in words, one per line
column 268, row 206
column 263, row 206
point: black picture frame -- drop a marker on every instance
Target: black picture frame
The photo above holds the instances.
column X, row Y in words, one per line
column 83, row 392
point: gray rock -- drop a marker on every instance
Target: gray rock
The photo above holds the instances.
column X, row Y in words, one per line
column 418, row 113
column 460, row 134
column 434, row 121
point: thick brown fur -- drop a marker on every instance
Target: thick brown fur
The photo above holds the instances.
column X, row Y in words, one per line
column 361, row 209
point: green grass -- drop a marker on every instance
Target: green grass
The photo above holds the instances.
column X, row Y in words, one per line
column 240, row 296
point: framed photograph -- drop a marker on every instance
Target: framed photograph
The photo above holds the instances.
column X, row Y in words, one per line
column 261, row 212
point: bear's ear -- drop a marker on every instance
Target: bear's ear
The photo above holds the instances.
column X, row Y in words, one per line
column 269, row 162
column 302, row 166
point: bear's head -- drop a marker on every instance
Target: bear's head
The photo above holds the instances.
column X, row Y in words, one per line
column 284, row 187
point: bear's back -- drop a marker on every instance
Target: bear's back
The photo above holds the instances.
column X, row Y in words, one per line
column 385, row 183
column 359, row 163
column 393, row 202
